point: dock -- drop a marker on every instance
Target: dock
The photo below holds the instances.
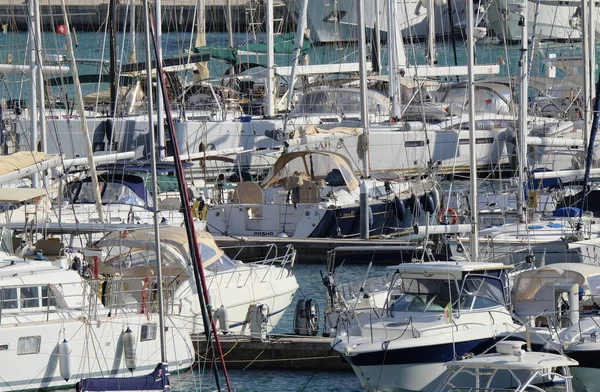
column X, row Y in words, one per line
column 285, row 352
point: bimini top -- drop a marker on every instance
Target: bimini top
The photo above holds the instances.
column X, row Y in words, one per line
column 170, row 236
column 304, row 163
column 446, row 269
column 538, row 284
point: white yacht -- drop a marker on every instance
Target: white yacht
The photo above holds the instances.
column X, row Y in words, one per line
column 334, row 21
column 561, row 303
column 315, row 193
column 55, row 330
column 237, row 290
column 552, row 21
column 435, row 312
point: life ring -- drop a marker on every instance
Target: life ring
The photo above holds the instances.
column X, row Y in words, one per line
column 447, row 212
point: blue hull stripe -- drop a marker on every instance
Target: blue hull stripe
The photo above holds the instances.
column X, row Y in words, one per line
column 427, row 354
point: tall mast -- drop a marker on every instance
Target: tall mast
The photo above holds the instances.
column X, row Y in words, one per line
column 112, row 34
column 153, row 146
column 33, row 112
column 377, row 44
column 585, row 44
column 474, row 240
column 297, row 50
column 364, row 118
column 396, row 59
column 81, row 110
column 430, row 57
column 521, row 11
column 132, row 58
column 362, row 68
column 160, row 123
column 40, row 77
column 270, row 61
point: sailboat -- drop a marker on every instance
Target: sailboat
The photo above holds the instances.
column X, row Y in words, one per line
column 158, row 379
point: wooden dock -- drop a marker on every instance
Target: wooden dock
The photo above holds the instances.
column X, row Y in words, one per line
column 287, row 352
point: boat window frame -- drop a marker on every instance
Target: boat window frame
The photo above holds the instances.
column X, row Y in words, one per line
column 393, row 287
column 483, row 276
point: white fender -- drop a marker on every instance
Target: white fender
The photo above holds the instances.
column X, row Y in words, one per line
column 222, row 317
column 64, row 360
column 129, row 349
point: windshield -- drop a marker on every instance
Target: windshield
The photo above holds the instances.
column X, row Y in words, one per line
column 111, row 193
column 223, row 263
column 425, row 295
column 481, row 292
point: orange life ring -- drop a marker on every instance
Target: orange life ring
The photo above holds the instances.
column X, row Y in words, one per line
column 448, row 212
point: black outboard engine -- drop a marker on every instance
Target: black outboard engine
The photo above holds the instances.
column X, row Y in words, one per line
column 306, row 317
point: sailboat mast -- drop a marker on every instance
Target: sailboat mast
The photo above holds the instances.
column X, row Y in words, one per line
column 270, row 61
column 114, row 77
column 396, row 60
column 82, row 116
column 362, row 69
column 297, row 50
column 377, row 44
column 40, row 78
column 430, row 57
column 201, row 286
column 160, row 122
column 132, row 58
column 33, row 113
column 474, row 240
column 585, row 47
column 161, row 320
column 522, row 136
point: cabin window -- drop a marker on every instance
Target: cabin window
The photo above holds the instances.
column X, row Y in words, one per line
column 414, row 143
column 148, row 332
column 30, row 297
column 425, row 295
column 29, row 345
column 4, row 347
column 48, row 298
column 484, row 140
column 9, row 299
column 119, row 193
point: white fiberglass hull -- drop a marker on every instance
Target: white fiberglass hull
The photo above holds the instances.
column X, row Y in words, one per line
column 335, row 21
column 96, row 350
column 273, row 287
column 552, row 21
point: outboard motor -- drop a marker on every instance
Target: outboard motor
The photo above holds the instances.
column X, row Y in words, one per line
column 306, row 317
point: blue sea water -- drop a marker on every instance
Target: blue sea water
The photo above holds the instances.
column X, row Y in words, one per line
column 95, row 47
column 311, row 286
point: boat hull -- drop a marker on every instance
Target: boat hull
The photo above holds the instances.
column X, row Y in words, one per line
column 96, row 350
column 417, row 368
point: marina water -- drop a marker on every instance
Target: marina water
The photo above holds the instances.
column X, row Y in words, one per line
column 92, row 46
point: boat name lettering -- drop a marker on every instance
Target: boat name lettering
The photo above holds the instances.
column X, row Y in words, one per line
column 265, row 233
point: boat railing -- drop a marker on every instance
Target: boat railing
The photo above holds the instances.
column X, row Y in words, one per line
column 134, row 295
column 267, row 254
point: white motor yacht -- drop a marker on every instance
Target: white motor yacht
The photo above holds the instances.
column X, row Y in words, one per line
column 55, row 330
column 436, row 312
column 238, row 291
